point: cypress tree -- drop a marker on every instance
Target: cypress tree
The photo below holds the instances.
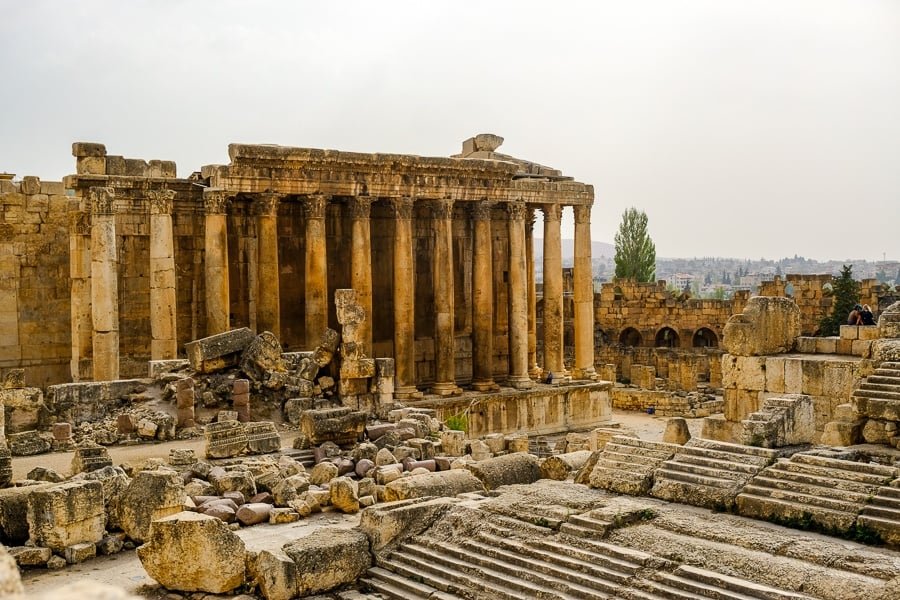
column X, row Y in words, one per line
column 635, row 251
column 845, row 295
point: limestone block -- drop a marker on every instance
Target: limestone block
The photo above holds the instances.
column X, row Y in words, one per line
column 559, row 467
column 66, row 514
column 345, row 495
column 278, row 516
column 361, row 368
column 225, row 439
column 234, row 481
column 806, row 345
column 442, row 483
column 10, row 580
column 14, row 512
column 328, row 558
column 30, row 556
column 276, row 574
column 90, row 458
column 391, row 524
column 291, row 488
column 676, row 432
column 253, row 513
column 78, row 553
column 90, row 165
column 774, row 374
column 517, row 442
column 849, row 332
column 739, row 404
column 190, row 552
column 767, row 325
column 24, row 409
column 480, row 450
column 81, row 149
column 509, row 469
column 262, row 356
column 323, row 473
column 262, row 437
column 793, row 375
column 886, row 350
column 218, row 351
column 151, row 495
column 5, row 466
column 338, row 425
column 826, row 345
column 889, row 322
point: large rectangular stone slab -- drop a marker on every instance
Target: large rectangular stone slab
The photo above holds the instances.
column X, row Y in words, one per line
column 218, row 351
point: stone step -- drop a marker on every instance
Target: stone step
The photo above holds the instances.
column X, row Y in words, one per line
column 589, row 522
column 763, row 453
column 450, row 575
column 875, row 386
column 882, row 471
column 876, row 394
column 825, row 472
column 790, row 513
column 726, row 455
column 717, row 463
column 654, row 589
column 802, row 496
column 615, row 460
column 511, row 524
column 717, row 585
column 596, row 583
column 888, row 378
column 618, row 558
column 671, row 470
column 395, row 586
column 891, row 513
column 701, row 467
column 818, row 489
column 890, row 366
column 781, row 471
column 622, row 471
column 639, row 451
column 878, row 407
column 639, row 443
column 888, row 529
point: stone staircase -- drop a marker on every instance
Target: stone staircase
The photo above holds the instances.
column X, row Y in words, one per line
column 708, row 473
column 627, row 464
column 882, row 513
column 878, row 396
column 693, row 583
column 809, row 491
column 785, row 421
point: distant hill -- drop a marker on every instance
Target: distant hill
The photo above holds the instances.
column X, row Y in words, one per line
column 598, row 249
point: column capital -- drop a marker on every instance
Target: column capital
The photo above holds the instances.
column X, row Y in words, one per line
column 481, row 210
column 582, row 213
column 103, row 200
column 215, row 202
column 314, row 206
column 160, row 201
column 80, row 222
column 267, row 204
column 552, row 212
column 529, row 218
column 402, row 207
column 442, row 209
column 360, row 207
column 517, row 211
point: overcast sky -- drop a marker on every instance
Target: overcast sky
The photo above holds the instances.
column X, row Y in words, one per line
column 744, row 129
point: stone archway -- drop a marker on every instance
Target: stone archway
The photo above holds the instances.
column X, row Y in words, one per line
column 705, row 338
column 666, row 338
column 630, row 337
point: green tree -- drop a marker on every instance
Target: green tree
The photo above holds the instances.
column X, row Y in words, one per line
column 845, row 294
column 635, row 251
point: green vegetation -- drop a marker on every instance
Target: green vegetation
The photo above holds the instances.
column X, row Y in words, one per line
column 459, row 422
column 845, row 294
column 635, row 251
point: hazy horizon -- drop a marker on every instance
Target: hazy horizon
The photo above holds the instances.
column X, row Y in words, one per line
column 763, row 129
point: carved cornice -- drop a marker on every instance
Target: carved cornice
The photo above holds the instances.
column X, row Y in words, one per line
column 442, row 209
column 481, row 211
column 267, row 204
column 315, row 206
column 517, row 211
column 103, row 200
column 359, row 207
column 402, row 207
column 552, row 212
column 215, row 202
column 160, row 201
column 582, row 214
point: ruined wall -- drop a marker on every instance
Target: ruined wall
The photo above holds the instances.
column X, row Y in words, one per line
column 34, row 280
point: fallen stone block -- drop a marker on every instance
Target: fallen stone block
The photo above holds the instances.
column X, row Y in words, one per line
column 390, row 524
column 328, row 558
column 444, row 483
column 78, row 553
column 66, row 514
column 338, row 425
column 151, row 495
column 30, row 556
column 218, row 351
column 28, row 443
column 262, row 356
column 276, row 575
column 10, row 580
column 560, row 466
column 507, row 470
column 262, row 437
column 190, row 552
column 251, row 514
column 345, row 495
column 90, row 458
column 225, row 439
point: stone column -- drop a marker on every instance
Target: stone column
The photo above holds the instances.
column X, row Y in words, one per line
column 533, row 369
column 268, row 300
column 104, row 284
column 584, row 295
column 444, row 342
column 163, row 338
column 553, row 292
column 316, row 270
column 482, row 300
column 218, row 302
column 361, row 264
column 518, row 299
column 404, row 300
column 80, row 293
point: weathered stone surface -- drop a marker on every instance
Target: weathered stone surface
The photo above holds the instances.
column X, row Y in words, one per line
column 225, row 439
column 328, row 558
column 151, row 495
column 323, row 473
column 233, row 481
column 66, row 514
column 889, row 322
column 30, row 556
column 262, row 437
column 276, row 575
column 561, row 466
column 290, row 488
column 345, row 495
column 768, row 325
column 28, row 443
column 218, row 351
column 253, row 513
column 190, row 552
column 10, row 580
column 14, row 511
column 78, row 553
column 676, row 432
column 90, row 458
column 786, row 421
column 262, row 356
column 338, row 425
column 443, row 483
column 507, row 470
column 44, row 474
column 453, row 442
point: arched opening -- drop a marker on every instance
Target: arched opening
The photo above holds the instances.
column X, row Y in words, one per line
column 705, row 338
column 666, row 338
column 630, row 337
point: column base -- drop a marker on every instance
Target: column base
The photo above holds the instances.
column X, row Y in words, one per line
column 445, row 389
column 520, row 382
column 588, row 373
column 407, row 393
column 485, row 386
column 535, row 372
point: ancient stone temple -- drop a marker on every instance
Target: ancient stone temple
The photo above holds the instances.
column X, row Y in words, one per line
column 440, row 251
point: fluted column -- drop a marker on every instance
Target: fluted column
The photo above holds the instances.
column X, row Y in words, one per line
column 482, row 300
column 584, row 295
column 316, row 274
column 404, row 301
column 553, row 292
column 533, row 369
column 361, row 263
column 104, row 284
column 80, row 292
column 444, row 342
column 218, row 303
column 163, row 328
column 268, row 300
column 518, row 299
